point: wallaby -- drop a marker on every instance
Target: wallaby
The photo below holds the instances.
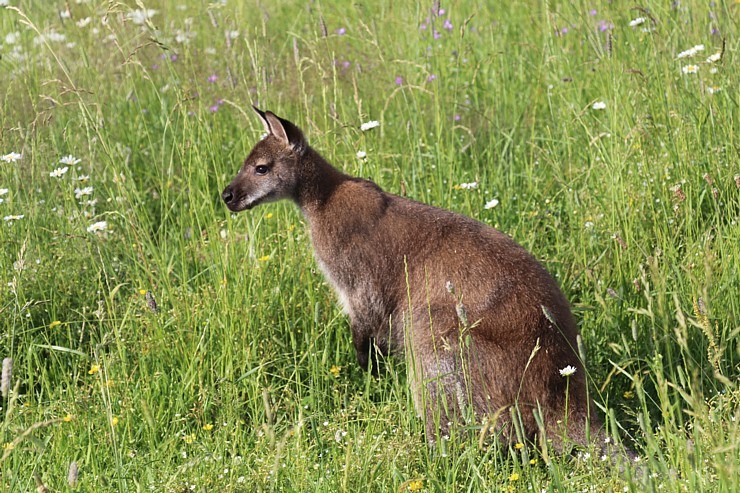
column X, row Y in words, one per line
column 485, row 328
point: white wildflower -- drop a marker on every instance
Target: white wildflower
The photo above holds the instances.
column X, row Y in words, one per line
column 11, row 38
column 371, row 124
column 13, row 217
column 690, row 69
column 713, row 89
column 714, row 58
column 98, row 226
column 691, row 51
column 361, row 154
column 59, row 172
column 491, row 204
column 637, row 22
column 82, row 192
column 140, row 16
column 84, row 22
column 568, row 371
column 56, row 37
column 599, row 105
column 69, row 160
column 469, row 186
column 10, row 158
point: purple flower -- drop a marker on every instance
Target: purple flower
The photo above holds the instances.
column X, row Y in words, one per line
column 399, row 81
column 212, row 78
column 346, row 64
column 447, row 25
column 564, row 31
column 436, row 34
column 456, row 118
column 431, row 78
column 605, row 26
column 173, row 58
column 155, row 66
column 441, row 12
column 213, row 108
column 592, row 12
column 341, row 31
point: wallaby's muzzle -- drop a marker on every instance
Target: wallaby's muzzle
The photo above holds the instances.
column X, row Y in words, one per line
column 227, row 195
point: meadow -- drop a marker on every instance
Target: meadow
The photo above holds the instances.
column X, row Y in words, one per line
column 152, row 341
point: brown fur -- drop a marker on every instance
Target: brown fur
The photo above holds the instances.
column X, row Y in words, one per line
column 393, row 261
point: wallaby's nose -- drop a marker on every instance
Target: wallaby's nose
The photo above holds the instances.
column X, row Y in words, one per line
column 227, row 195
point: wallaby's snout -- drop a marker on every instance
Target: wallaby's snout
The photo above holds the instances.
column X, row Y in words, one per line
column 235, row 196
column 227, row 195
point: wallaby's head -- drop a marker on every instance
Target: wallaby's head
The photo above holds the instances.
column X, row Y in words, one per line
column 271, row 170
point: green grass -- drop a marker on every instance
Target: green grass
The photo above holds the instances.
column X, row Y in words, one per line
column 244, row 379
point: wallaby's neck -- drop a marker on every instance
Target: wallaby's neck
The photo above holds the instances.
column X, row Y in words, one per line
column 317, row 182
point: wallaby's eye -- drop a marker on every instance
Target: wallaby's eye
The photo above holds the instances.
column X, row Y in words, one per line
column 261, row 169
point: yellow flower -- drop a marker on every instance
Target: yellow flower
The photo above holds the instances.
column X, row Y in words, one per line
column 110, row 383
column 269, row 215
column 142, row 292
column 334, row 370
column 189, row 438
column 54, row 324
column 514, row 477
column 208, row 426
column 629, row 394
column 533, row 461
column 114, row 420
column 415, row 485
column 93, row 369
column 519, row 446
column 8, row 446
column 68, row 418
column 264, row 258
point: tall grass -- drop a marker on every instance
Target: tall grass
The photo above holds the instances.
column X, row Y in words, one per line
column 243, row 377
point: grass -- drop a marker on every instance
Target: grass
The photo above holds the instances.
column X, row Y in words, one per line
column 244, row 378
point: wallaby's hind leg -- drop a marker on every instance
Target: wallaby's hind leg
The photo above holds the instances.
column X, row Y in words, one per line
column 438, row 389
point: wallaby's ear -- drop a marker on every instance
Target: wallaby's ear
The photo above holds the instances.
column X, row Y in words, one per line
column 285, row 131
column 263, row 118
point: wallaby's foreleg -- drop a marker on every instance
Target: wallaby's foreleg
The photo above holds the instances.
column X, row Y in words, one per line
column 370, row 343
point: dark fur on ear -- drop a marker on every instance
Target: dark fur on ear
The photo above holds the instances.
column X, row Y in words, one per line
column 283, row 130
